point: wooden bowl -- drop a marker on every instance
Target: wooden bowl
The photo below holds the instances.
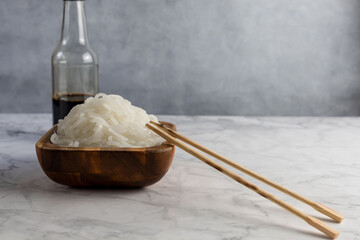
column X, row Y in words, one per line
column 111, row 167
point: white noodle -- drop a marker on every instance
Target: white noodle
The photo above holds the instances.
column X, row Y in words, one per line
column 106, row 121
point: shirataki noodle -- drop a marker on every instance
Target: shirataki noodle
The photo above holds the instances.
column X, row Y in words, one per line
column 106, row 121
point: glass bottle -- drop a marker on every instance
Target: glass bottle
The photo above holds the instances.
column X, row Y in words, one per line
column 74, row 63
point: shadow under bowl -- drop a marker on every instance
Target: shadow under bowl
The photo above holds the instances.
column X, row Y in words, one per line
column 104, row 167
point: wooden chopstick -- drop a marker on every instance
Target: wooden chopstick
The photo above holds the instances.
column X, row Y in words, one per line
column 317, row 206
column 316, row 223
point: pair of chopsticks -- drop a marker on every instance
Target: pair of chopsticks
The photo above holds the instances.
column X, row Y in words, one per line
column 174, row 137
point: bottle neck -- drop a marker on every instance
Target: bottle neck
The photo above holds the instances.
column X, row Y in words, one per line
column 74, row 23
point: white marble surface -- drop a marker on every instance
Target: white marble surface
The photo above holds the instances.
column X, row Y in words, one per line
column 317, row 157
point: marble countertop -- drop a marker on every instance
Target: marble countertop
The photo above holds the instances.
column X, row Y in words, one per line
column 316, row 157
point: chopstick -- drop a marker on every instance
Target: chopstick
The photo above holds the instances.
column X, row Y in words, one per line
column 316, row 223
column 317, row 206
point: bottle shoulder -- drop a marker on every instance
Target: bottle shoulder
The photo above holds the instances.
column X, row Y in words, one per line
column 74, row 54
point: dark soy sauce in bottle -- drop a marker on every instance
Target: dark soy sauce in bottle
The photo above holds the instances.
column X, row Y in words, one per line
column 74, row 63
column 62, row 104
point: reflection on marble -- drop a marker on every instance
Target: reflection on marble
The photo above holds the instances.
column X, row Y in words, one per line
column 317, row 157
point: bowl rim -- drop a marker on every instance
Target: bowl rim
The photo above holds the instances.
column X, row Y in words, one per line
column 45, row 143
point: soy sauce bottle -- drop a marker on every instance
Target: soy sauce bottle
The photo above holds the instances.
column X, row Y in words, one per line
column 74, row 63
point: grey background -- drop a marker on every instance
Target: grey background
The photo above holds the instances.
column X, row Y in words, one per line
column 240, row 57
